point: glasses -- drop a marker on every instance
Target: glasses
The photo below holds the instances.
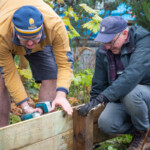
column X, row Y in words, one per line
column 27, row 39
column 111, row 44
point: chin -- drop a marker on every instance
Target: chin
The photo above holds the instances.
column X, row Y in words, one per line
column 30, row 47
column 115, row 51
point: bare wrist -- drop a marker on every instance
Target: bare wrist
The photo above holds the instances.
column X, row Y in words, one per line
column 25, row 108
column 60, row 94
column 25, row 104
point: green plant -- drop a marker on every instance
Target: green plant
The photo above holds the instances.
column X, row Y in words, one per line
column 141, row 10
column 31, row 86
column 118, row 143
column 14, row 118
column 81, row 86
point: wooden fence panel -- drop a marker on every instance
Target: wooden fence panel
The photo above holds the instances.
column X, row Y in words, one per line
column 54, row 131
column 35, row 130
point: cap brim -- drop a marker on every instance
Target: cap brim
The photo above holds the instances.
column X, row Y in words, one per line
column 104, row 38
column 29, row 34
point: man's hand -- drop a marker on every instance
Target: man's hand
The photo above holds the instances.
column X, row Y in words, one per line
column 63, row 102
column 100, row 99
column 27, row 109
column 31, row 110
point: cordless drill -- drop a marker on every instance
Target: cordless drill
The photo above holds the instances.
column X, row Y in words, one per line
column 45, row 106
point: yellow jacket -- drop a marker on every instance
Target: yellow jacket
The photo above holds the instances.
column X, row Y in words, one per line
column 56, row 36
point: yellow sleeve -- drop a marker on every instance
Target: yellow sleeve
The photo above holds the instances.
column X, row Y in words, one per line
column 10, row 74
column 63, row 55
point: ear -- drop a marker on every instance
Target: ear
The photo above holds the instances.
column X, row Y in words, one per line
column 125, row 33
column 17, row 35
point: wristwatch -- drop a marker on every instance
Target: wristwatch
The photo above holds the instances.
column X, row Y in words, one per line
column 26, row 107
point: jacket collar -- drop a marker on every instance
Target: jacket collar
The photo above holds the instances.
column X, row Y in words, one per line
column 129, row 46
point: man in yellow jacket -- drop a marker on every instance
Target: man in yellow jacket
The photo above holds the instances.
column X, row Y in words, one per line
column 31, row 28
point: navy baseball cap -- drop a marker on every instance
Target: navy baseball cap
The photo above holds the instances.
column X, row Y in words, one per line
column 28, row 21
column 109, row 27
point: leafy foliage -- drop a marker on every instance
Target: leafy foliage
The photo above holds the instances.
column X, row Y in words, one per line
column 14, row 118
column 31, row 86
column 88, row 9
column 118, row 143
column 71, row 31
column 74, row 16
column 71, row 13
column 141, row 10
column 81, row 86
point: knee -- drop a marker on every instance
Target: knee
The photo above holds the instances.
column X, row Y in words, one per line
column 132, row 98
column 105, row 125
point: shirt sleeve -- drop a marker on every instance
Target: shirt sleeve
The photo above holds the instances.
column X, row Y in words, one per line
column 63, row 55
column 10, row 75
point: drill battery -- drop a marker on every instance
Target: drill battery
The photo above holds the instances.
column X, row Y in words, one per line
column 45, row 106
column 30, row 116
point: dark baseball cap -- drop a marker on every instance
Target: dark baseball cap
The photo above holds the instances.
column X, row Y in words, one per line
column 28, row 21
column 109, row 27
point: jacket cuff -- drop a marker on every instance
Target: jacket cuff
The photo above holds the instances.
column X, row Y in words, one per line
column 23, row 101
column 106, row 100
column 62, row 89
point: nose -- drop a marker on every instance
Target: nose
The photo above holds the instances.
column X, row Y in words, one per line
column 30, row 42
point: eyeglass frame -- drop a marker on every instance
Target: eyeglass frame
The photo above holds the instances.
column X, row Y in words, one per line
column 111, row 44
column 28, row 39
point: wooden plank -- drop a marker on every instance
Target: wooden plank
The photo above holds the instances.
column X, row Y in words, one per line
column 98, row 135
column 83, row 131
column 54, row 131
column 59, row 142
column 35, row 130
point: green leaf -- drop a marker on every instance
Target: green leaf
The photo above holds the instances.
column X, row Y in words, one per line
column 26, row 73
column 96, row 28
column 66, row 21
column 88, row 9
column 70, row 35
column 76, row 80
column 97, row 19
column 75, row 33
column 72, row 31
column 111, row 148
column 71, row 13
column 91, row 26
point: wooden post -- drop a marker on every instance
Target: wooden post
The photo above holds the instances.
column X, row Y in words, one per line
column 86, row 131
column 83, row 131
column 98, row 135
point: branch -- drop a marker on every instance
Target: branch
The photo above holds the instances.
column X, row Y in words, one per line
column 85, row 42
column 77, row 41
column 80, row 51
